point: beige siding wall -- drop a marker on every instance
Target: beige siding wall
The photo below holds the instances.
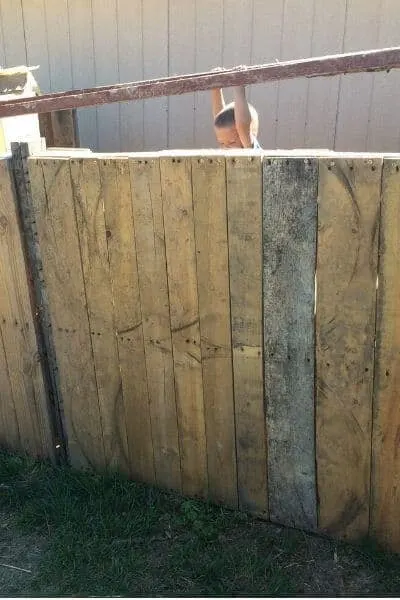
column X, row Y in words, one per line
column 81, row 43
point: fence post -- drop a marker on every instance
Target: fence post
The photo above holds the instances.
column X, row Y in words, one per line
column 19, row 169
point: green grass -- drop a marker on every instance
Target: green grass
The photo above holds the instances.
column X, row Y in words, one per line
column 107, row 536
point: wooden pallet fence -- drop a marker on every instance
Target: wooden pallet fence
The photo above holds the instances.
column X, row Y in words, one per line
column 224, row 326
column 25, row 423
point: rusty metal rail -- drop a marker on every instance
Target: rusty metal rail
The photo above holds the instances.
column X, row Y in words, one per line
column 324, row 66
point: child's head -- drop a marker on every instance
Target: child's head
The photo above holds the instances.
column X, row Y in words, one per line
column 225, row 128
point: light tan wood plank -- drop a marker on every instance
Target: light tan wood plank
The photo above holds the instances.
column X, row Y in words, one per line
column 244, row 202
column 128, row 316
column 18, row 330
column 349, row 196
column 9, row 430
column 53, row 208
column 385, row 506
column 153, row 288
column 209, row 200
column 176, row 185
column 88, row 198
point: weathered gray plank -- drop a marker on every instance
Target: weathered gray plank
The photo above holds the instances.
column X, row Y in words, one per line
column 289, row 230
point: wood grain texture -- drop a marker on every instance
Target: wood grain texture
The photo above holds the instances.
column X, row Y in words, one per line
column 244, row 205
column 88, row 197
column 349, row 197
column 176, row 185
column 385, row 505
column 53, row 209
column 128, row 316
column 289, row 243
column 153, row 289
column 209, row 200
column 9, row 431
column 18, row 336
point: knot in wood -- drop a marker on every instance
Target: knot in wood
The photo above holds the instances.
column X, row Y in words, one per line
column 3, row 225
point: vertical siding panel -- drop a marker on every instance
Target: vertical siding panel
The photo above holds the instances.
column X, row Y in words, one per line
column 237, row 32
column 106, row 70
column 296, row 43
column 130, row 61
column 361, row 31
column 57, row 20
column 155, row 64
column 13, row 33
column 323, row 93
column 209, row 25
column 267, row 16
column 82, row 54
column 384, row 122
column 36, row 40
column 182, row 51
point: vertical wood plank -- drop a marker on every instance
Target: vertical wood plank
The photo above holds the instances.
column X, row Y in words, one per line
column 13, row 33
column 176, row 185
column 128, row 316
column 384, row 122
column 289, row 244
column 266, row 49
column 106, row 70
column 18, row 336
column 89, row 209
column 209, row 200
column 53, row 209
column 323, row 92
column 244, row 205
column 361, row 31
column 9, row 430
column 130, row 66
column 296, row 43
column 57, row 22
column 153, row 290
column 182, row 51
column 155, row 64
column 345, row 329
column 36, row 40
column 209, row 39
column 385, row 505
column 83, row 74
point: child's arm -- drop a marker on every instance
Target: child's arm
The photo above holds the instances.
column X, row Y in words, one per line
column 242, row 117
column 218, row 102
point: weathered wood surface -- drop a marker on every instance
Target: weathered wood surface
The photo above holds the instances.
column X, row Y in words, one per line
column 324, row 66
column 289, row 230
column 385, row 505
column 244, row 204
column 25, row 412
column 154, row 300
column 133, row 397
column 88, row 198
column 209, row 199
column 349, row 197
column 176, row 185
column 53, row 210
column 59, row 128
